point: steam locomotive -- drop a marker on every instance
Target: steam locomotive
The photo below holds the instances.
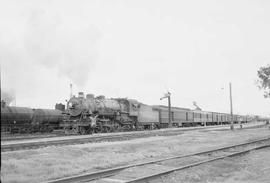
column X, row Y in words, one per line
column 89, row 114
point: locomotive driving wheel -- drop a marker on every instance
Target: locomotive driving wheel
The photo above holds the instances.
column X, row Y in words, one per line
column 97, row 129
column 67, row 129
column 106, row 129
column 126, row 127
column 75, row 130
column 82, row 130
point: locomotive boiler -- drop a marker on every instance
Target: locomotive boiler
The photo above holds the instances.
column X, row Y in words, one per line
column 99, row 114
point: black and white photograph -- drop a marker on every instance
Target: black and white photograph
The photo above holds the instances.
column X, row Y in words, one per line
column 135, row 91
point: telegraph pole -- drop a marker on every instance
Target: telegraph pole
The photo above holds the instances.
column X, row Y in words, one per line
column 232, row 126
column 168, row 95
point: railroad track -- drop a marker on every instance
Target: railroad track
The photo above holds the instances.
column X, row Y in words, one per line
column 90, row 139
column 28, row 137
column 143, row 172
column 238, row 128
column 109, row 137
column 10, row 137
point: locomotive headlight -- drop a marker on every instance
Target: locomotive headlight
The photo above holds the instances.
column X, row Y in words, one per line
column 72, row 104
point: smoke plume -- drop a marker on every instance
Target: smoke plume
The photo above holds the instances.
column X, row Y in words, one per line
column 46, row 38
column 7, row 96
column 67, row 45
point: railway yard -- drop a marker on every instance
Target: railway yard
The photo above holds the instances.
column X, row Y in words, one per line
column 135, row 91
column 193, row 154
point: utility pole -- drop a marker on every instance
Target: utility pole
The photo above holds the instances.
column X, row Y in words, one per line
column 232, row 126
column 168, row 95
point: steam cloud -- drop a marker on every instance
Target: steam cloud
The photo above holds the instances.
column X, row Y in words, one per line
column 45, row 39
column 7, row 96
column 63, row 44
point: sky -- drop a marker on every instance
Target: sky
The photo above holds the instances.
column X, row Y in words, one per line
column 138, row 49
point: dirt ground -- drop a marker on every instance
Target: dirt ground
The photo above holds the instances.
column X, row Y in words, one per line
column 249, row 168
column 56, row 162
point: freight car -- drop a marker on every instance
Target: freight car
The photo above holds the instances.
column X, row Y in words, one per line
column 27, row 120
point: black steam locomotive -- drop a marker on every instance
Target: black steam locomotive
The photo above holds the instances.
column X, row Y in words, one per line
column 89, row 114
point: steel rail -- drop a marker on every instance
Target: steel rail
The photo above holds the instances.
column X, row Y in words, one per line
column 156, row 175
column 113, row 137
column 29, row 137
column 37, row 144
column 47, row 136
column 42, row 136
column 112, row 171
column 110, row 137
column 238, row 128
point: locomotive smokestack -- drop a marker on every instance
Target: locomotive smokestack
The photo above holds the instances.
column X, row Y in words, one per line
column 90, row 96
column 101, row 97
column 81, row 95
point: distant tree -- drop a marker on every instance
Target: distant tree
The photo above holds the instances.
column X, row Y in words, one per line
column 264, row 80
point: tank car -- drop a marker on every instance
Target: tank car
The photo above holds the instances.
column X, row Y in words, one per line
column 46, row 120
column 27, row 120
column 16, row 119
